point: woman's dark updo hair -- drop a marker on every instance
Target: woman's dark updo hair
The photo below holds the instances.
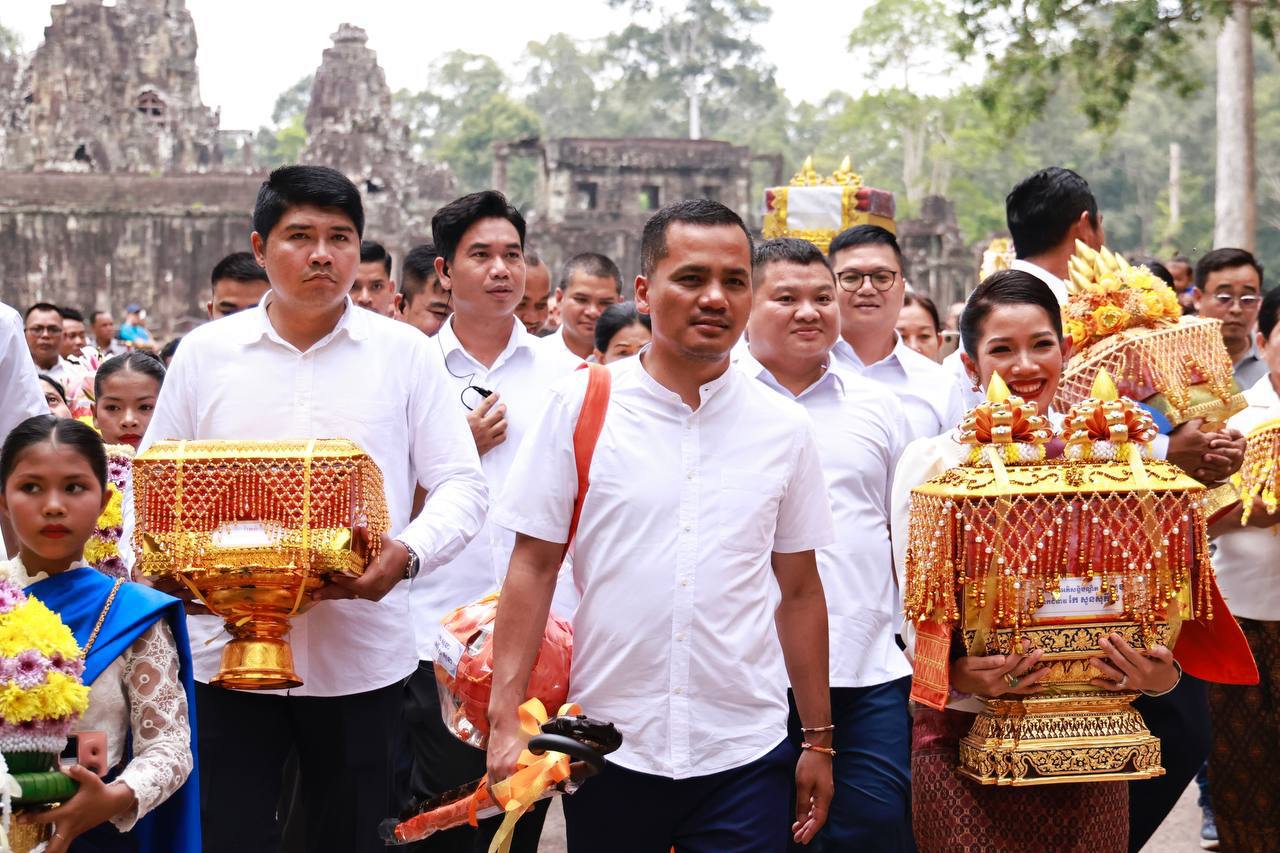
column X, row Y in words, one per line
column 1006, row 287
column 614, row 319
column 66, row 432
column 137, row 361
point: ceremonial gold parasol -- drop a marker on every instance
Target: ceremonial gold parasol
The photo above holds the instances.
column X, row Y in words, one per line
column 251, row 528
column 1060, row 553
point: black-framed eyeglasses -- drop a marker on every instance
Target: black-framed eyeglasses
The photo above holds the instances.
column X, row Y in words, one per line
column 881, row 280
column 44, row 330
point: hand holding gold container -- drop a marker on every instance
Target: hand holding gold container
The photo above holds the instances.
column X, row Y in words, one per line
column 1011, row 547
column 252, row 528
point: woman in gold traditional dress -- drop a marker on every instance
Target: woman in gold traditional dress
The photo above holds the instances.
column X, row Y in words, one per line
column 1011, row 326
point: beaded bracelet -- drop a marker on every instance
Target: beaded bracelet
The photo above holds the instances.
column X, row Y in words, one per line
column 809, row 730
column 825, row 750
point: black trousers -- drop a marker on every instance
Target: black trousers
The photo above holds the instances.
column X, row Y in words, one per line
column 1181, row 720
column 441, row 762
column 344, row 747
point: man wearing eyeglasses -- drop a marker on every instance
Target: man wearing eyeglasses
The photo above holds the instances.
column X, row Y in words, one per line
column 1229, row 288
column 43, row 327
column 869, row 274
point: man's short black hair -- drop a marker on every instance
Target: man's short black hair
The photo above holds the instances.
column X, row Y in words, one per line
column 1269, row 313
column 591, row 264
column 70, row 314
column 238, row 266
column 417, row 270
column 453, row 220
column 695, row 211
column 290, row 186
column 371, row 251
column 41, row 306
column 98, row 312
column 867, row 235
column 1041, row 209
column 1222, row 259
column 786, row 250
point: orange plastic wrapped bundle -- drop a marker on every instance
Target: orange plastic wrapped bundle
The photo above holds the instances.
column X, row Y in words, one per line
column 464, row 668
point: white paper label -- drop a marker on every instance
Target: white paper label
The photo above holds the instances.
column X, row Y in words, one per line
column 243, row 534
column 448, row 651
column 1080, row 598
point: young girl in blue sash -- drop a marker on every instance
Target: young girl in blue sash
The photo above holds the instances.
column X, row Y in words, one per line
column 53, row 475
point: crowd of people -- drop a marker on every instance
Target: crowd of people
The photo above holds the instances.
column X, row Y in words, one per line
column 734, row 583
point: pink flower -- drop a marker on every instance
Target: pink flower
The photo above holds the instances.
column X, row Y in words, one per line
column 10, row 596
column 31, row 669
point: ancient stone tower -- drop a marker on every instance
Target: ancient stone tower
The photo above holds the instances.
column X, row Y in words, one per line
column 111, row 89
column 350, row 126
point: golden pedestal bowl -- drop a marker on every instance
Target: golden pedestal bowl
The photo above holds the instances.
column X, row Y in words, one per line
column 252, row 528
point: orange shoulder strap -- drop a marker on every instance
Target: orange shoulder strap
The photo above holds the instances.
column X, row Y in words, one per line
column 586, row 434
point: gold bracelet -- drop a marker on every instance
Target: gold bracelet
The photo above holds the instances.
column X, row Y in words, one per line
column 810, row 730
column 825, row 750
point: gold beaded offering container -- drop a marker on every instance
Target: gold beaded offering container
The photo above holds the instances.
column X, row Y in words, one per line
column 1012, row 548
column 251, row 528
column 1124, row 320
column 818, row 207
column 1259, row 475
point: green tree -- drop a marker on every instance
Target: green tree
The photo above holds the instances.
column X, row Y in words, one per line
column 10, row 44
column 701, row 51
column 905, row 37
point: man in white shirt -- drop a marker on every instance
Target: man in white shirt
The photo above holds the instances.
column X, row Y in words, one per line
column 589, row 284
column 861, row 430
column 869, row 272
column 307, row 363
column 374, row 288
column 424, row 304
column 1229, row 288
column 694, row 558
column 20, row 393
column 43, row 328
column 533, row 307
column 499, row 377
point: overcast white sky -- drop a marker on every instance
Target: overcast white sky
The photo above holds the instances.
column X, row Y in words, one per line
column 251, row 50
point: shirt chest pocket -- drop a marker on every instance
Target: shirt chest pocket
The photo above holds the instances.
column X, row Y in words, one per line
column 747, row 510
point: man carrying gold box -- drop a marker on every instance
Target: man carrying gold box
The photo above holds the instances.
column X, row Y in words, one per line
column 306, row 364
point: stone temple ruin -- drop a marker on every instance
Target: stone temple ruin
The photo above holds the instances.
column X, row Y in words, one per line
column 117, row 184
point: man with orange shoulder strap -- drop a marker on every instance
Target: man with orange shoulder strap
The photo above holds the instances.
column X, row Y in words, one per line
column 694, row 558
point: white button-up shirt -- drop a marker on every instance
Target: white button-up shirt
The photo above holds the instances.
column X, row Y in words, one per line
column 377, row 382
column 674, row 639
column 861, row 431
column 20, row 393
column 1248, row 558
column 555, row 347
column 522, row 375
column 930, row 398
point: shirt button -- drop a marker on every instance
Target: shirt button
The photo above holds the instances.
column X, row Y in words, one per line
column 687, row 528
column 678, row 691
column 684, row 581
column 679, row 638
column 689, row 476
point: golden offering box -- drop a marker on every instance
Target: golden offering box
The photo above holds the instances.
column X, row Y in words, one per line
column 252, row 528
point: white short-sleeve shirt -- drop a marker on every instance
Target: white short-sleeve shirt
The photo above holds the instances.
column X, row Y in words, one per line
column 674, row 639
column 861, row 431
column 929, row 395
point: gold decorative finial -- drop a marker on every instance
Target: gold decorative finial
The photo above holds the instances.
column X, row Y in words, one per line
column 845, row 176
column 1104, row 387
column 845, row 165
column 997, row 390
column 806, row 177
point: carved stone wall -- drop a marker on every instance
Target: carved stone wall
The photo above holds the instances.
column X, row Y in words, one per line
column 939, row 262
column 111, row 89
column 594, row 195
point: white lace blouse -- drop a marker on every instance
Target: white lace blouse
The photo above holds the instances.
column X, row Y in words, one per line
column 139, row 693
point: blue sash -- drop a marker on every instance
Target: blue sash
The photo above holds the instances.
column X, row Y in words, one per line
column 78, row 597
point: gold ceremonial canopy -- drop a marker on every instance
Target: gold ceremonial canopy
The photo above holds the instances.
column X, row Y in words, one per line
column 1011, row 547
column 251, row 528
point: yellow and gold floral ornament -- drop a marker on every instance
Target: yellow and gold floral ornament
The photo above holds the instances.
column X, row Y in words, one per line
column 1122, row 319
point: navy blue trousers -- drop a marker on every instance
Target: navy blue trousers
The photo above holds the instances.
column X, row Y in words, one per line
column 871, row 810
column 748, row 809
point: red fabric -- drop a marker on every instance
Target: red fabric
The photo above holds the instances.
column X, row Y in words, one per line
column 586, row 433
column 931, row 679
column 1216, row 649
